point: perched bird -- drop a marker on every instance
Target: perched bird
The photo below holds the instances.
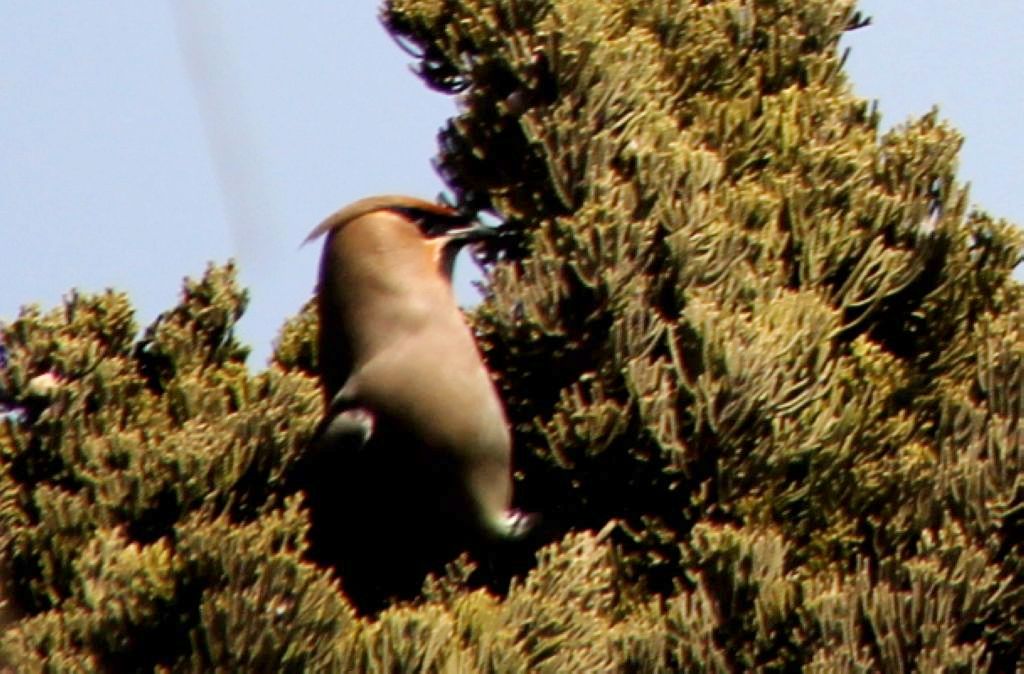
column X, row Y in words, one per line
column 411, row 464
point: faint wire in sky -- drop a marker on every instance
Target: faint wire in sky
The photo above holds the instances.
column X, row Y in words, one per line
column 230, row 136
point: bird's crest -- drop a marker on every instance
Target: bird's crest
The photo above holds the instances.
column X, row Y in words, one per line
column 433, row 218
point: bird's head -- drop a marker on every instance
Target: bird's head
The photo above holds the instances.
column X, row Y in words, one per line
column 442, row 230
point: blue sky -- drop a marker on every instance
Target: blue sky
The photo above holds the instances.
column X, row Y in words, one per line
column 140, row 140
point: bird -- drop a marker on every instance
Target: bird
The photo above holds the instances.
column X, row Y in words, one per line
column 411, row 464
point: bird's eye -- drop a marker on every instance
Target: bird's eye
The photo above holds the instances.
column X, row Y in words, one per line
column 432, row 227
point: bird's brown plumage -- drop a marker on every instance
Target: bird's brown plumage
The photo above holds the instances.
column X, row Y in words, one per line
column 412, row 464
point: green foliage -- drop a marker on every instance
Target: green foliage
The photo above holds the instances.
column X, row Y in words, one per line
column 772, row 347
column 771, row 342
column 142, row 490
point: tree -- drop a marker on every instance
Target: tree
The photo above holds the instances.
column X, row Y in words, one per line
column 772, row 347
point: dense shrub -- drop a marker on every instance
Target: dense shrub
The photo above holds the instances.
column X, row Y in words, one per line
column 763, row 364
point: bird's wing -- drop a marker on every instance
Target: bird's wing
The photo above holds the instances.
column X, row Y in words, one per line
column 345, row 424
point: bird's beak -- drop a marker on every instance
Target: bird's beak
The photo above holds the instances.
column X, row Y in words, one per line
column 471, row 233
column 473, row 236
